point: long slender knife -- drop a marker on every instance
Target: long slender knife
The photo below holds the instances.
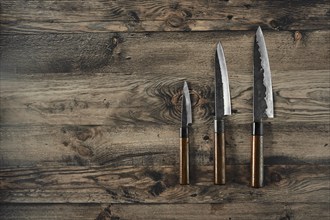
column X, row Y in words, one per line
column 262, row 107
column 222, row 108
column 186, row 121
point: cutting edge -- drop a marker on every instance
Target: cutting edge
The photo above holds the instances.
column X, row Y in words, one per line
column 187, row 102
column 267, row 81
column 225, row 81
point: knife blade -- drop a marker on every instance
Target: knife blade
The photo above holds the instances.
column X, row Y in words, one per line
column 262, row 106
column 222, row 108
column 186, row 121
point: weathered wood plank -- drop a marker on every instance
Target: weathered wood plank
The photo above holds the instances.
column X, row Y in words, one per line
column 51, row 211
column 93, row 117
column 164, row 54
column 284, row 183
column 244, row 211
column 155, row 145
column 135, row 16
column 300, row 97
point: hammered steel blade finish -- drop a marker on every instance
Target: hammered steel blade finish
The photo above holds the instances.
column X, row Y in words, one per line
column 262, row 86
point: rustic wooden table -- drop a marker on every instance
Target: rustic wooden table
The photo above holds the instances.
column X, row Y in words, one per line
column 90, row 109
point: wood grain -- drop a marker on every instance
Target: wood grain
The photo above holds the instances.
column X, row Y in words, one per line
column 90, row 95
column 18, row 16
column 108, row 74
column 95, row 184
column 241, row 211
column 108, row 145
column 103, row 99
column 160, row 54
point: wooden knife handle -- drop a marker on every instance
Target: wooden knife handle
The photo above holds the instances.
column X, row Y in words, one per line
column 184, row 157
column 219, row 153
column 257, row 156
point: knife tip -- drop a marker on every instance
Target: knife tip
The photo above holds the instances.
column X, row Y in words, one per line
column 185, row 84
column 219, row 46
column 259, row 34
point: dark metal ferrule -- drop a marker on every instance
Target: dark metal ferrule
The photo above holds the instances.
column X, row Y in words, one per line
column 184, row 132
column 219, row 126
column 257, row 128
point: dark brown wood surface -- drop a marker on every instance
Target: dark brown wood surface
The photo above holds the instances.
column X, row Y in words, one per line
column 90, row 95
column 241, row 211
column 149, row 15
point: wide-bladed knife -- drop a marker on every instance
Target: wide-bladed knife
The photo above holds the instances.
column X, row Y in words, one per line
column 262, row 106
column 186, row 121
column 222, row 108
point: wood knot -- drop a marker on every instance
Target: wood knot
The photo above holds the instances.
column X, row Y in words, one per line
column 199, row 102
column 275, row 177
column 155, row 175
column 134, row 16
column 185, row 13
column 113, row 42
column 297, row 36
column 206, row 138
column 281, row 23
column 174, row 5
column 171, row 180
column 247, row 6
column 194, row 97
column 176, row 99
column 107, row 214
column 175, row 21
column 229, row 17
column 157, row 189
column 287, row 216
column 79, row 138
column 83, row 134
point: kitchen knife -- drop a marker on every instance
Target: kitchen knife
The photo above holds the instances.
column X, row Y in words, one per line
column 186, row 121
column 222, row 108
column 262, row 107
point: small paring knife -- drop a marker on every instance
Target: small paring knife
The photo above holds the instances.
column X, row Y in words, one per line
column 262, row 107
column 222, row 108
column 186, row 121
